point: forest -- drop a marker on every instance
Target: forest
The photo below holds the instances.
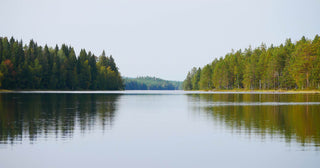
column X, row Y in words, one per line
column 35, row 67
column 151, row 83
column 287, row 66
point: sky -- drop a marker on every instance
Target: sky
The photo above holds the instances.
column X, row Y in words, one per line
column 162, row 38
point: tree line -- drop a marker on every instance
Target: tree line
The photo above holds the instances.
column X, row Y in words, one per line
column 35, row 67
column 288, row 66
column 151, row 83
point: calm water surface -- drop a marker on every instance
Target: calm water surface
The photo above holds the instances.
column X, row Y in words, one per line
column 158, row 129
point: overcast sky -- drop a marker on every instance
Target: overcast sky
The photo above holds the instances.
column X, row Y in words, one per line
column 162, row 38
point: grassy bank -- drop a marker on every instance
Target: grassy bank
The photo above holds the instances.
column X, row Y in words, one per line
column 267, row 91
column 4, row 90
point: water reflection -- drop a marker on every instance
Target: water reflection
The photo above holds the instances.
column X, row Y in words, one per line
column 34, row 116
column 289, row 116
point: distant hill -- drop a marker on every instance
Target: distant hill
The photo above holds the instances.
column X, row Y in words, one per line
column 151, row 83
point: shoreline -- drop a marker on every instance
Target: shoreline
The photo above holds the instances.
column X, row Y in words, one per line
column 264, row 91
column 5, row 90
column 191, row 91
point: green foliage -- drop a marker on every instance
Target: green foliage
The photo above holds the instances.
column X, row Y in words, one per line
column 1, row 77
column 195, row 79
column 192, row 80
column 36, row 67
column 187, row 84
column 205, row 78
column 289, row 66
column 151, row 83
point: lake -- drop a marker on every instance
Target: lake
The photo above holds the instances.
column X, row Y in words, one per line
column 159, row 129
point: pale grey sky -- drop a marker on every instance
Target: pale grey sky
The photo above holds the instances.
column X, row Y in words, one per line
column 163, row 38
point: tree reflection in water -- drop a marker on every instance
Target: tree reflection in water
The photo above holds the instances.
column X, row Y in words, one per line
column 287, row 116
column 40, row 115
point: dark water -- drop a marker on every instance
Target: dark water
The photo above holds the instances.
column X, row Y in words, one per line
column 159, row 129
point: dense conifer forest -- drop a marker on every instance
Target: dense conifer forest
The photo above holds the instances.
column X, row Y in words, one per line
column 36, row 67
column 288, row 66
column 151, row 83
